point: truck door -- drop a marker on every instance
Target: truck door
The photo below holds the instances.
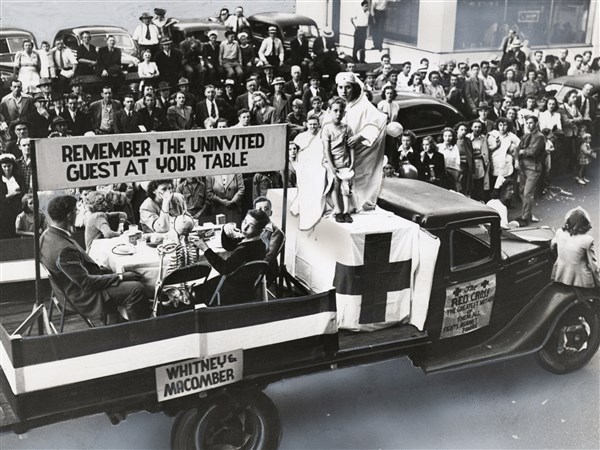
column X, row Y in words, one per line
column 470, row 281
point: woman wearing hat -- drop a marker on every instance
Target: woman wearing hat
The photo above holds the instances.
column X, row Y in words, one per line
column 11, row 192
column 27, row 67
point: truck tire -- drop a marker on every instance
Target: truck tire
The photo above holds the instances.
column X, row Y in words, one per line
column 248, row 420
column 573, row 342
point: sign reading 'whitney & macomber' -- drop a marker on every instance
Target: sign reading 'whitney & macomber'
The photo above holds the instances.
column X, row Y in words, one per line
column 91, row 160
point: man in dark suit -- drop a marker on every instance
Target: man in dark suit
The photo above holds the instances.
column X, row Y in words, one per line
column 210, row 106
column 532, row 151
column 108, row 64
column 294, row 86
column 127, row 120
column 77, row 122
column 96, row 291
column 151, row 117
column 299, row 53
column 169, row 62
column 587, row 106
column 102, row 112
column 246, row 246
column 16, row 105
column 314, row 90
column 326, row 57
column 474, row 90
column 86, row 55
column 244, row 101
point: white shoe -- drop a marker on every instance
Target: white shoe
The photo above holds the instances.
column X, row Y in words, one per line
column 586, row 179
column 534, row 219
column 580, row 181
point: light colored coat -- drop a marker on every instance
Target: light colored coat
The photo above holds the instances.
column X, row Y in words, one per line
column 576, row 263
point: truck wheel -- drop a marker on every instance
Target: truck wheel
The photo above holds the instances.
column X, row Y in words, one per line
column 573, row 342
column 249, row 421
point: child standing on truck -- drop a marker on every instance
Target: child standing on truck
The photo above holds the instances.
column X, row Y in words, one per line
column 339, row 158
column 576, row 262
column 584, row 158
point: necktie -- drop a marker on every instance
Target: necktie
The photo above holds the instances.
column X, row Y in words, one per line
column 147, row 32
column 213, row 113
column 239, row 25
column 61, row 61
column 269, row 51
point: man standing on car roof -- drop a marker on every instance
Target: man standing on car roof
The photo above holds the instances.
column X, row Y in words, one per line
column 237, row 22
column 147, row 35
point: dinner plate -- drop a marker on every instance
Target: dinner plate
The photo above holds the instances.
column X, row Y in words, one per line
column 123, row 249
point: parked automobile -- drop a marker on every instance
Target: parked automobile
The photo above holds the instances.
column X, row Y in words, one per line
column 196, row 28
column 425, row 115
column 562, row 85
column 11, row 41
column 130, row 51
column 287, row 25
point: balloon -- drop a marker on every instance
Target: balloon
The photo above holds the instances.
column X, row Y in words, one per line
column 394, row 129
column 407, row 170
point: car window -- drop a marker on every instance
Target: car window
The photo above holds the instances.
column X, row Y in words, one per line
column 4, row 46
column 260, row 29
column 470, row 246
column 70, row 41
column 12, row 44
column 122, row 41
column 422, row 116
column 310, row 31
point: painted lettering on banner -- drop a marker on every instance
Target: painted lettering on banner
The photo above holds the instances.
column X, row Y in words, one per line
column 468, row 306
column 197, row 375
column 91, row 160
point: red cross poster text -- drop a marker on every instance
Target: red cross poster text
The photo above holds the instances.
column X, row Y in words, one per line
column 468, row 306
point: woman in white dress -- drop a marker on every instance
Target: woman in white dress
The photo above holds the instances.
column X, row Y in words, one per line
column 147, row 69
column 27, row 67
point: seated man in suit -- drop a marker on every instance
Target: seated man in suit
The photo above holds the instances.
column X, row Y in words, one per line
column 127, row 120
column 95, row 290
column 246, row 246
column 108, row 64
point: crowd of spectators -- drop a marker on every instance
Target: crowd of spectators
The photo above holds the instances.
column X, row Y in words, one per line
column 514, row 129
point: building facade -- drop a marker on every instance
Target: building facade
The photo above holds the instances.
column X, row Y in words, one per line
column 467, row 30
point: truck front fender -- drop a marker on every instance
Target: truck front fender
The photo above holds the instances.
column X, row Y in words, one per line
column 526, row 333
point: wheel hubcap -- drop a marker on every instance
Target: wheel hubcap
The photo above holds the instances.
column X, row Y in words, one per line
column 574, row 338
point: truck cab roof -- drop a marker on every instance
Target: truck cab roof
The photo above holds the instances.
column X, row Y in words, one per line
column 428, row 205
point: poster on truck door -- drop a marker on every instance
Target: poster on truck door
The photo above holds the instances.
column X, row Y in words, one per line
column 468, row 306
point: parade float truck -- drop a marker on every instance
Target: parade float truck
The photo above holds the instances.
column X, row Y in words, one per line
column 429, row 274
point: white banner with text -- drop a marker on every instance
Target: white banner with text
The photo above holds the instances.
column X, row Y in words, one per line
column 116, row 158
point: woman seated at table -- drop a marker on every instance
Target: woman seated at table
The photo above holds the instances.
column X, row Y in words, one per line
column 100, row 214
column 161, row 205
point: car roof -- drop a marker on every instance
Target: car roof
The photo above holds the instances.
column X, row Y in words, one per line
column 4, row 31
column 578, row 81
column 428, row 205
column 283, row 18
column 406, row 99
column 199, row 24
column 105, row 29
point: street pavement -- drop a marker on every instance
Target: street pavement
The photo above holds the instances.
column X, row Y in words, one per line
column 392, row 405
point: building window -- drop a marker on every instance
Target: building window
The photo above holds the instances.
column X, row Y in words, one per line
column 402, row 21
column 482, row 24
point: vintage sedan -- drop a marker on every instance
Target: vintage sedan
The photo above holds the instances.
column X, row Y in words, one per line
column 11, row 41
column 129, row 59
column 562, row 85
column 287, row 25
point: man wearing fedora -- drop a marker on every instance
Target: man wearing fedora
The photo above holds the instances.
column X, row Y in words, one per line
column 514, row 52
column 147, row 35
column 41, row 118
column 169, row 61
column 483, row 110
column 108, row 64
column 271, row 50
column 19, row 129
column 16, row 104
column 59, row 128
column 183, row 85
column 45, row 88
